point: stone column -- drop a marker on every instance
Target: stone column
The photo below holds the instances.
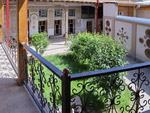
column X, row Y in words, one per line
column 66, row 24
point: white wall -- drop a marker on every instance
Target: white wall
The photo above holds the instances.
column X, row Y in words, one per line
column 13, row 20
column 33, row 23
column 110, row 10
column 108, row 28
column 143, row 13
column 78, row 20
column 141, row 47
column 123, row 31
column 51, row 21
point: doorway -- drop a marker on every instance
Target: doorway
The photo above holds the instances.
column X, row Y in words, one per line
column 89, row 26
column 43, row 26
column 71, row 26
column 58, row 27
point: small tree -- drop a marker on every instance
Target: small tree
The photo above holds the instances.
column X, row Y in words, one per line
column 100, row 52
column 40, row 42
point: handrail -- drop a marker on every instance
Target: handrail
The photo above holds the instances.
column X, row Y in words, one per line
column 108, row 71
column 60, row 84
column 46, row 63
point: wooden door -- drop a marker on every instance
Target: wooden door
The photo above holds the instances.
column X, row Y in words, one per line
column 43, row 26
column 89, row 26
column 58, row 27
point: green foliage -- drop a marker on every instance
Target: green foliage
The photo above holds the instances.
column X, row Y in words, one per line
column 67, row 61
column 100, row 52
column 40, row 42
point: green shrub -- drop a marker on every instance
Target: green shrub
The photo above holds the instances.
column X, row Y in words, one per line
column 40, row 42
column 100, row 52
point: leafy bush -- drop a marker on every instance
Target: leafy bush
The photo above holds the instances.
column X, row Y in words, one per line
column 100, row 52
column 40, row 42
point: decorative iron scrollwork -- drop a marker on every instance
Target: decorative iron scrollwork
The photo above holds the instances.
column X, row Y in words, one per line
column 84, row 89
column 44, row 86
column 138, row 93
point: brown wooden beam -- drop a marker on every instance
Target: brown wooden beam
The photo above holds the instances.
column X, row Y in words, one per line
column 127, row 5
column 1, row 18
column 22, row 34
column 144, row 8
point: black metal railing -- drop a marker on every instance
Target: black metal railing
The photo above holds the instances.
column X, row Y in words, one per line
column 43, row 82
column 103, row 91
column 9, row 44
column 111, row 93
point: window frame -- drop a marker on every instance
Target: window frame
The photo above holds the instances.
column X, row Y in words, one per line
column 41, row 13
column 45, row 25
column 73, row 23
column 69, row 12
column 57, row 14
column 87, row 12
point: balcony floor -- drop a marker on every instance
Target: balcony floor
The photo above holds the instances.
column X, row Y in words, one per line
column 13, row 98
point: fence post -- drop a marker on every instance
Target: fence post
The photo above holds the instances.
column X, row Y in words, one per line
column 66, row 92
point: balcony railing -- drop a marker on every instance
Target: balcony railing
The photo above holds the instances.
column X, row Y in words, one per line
column 55, row 91
column 9, row 44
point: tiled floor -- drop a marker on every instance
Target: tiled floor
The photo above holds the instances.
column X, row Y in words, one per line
column 13, row 98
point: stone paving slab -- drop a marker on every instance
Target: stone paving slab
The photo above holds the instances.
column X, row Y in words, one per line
column 13, row 98
column 57, row 46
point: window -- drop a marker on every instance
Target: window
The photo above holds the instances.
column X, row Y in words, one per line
column 58, row 12
column 42, row 26
column 88, row 12
column 71, row 12
column 58, row 27
column 43, row 13
column 71, row 25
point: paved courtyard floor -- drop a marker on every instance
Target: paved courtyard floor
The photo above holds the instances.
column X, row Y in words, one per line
column 57, row 46
column 13, row 98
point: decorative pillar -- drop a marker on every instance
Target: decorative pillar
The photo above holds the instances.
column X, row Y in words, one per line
column 22, row 34
column 1, row 18
column 97, row 5
column 7, row 15
column 66, row 24
column 97, row 18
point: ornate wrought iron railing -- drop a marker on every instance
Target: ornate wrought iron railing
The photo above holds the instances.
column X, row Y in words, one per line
column 43, row 82
column 9, row 44
column 103, row 91
column 112, row 95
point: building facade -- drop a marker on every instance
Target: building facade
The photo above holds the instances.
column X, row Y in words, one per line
column 59, row 18
column 124, row 20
